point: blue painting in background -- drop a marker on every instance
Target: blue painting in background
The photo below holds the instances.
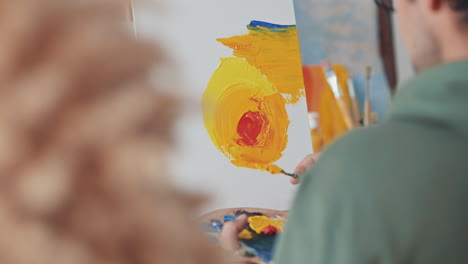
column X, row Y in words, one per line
column 344, row 32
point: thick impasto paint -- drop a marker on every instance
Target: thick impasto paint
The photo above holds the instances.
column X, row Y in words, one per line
column 274, row 51
column 327, row 124
column 244, row 105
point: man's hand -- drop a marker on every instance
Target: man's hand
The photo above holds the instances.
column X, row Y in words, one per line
column 228, row 239
column 305, row 165
column 228, row 236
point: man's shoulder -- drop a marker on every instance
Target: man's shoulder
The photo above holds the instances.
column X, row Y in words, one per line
column 396, row 140
column 383, row 191
column 392, row 151
column 360, row 146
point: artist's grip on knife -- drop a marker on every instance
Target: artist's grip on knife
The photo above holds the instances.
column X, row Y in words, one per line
column 305, row 165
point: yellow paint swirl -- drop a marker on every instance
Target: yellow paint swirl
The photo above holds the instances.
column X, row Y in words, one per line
column 244, row 104
column 245, row 116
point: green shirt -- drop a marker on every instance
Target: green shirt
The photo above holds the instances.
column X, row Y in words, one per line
column 396, row 192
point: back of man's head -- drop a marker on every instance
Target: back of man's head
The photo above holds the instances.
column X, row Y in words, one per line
column 435, row 31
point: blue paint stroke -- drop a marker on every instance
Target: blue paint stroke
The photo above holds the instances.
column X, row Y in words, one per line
column 217, row 225
column 256, row 23
column 228, row 218
column 261, row 26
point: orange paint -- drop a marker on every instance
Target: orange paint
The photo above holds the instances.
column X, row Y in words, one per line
column 321, row 101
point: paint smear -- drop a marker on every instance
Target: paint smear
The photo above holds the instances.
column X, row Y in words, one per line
column 274, row 50
column 259, row 223
column 245, row 115
column 245, row 234
column 322, row 103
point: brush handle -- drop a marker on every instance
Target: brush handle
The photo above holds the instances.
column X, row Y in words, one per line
column 292, row 175
column 367, row 113
column 374, row 118
column 345, row 113
column 355, row 108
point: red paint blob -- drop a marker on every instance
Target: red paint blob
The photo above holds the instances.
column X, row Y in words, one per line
column 249, row 128
column 270, row 230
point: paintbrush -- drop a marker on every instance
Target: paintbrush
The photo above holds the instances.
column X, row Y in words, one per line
column 130, row 16
column 293, row 175
column 367, row 102
column 332, row 80
column 354, row 103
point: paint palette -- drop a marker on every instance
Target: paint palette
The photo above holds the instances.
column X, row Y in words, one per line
column 259, row 236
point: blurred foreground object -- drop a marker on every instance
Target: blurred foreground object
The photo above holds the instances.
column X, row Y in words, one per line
column 83, row 141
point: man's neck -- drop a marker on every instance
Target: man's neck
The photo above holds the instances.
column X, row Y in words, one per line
column 455, row 48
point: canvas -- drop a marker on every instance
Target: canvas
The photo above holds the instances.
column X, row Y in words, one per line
column 239, row 72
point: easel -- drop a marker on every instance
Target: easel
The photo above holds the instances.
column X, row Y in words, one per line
column 387, row 47
column 129, row 14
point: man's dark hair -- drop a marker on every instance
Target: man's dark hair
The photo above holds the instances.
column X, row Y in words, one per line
column 460, row 6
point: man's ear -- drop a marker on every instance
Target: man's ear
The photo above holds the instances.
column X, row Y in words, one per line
column 435, row 5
